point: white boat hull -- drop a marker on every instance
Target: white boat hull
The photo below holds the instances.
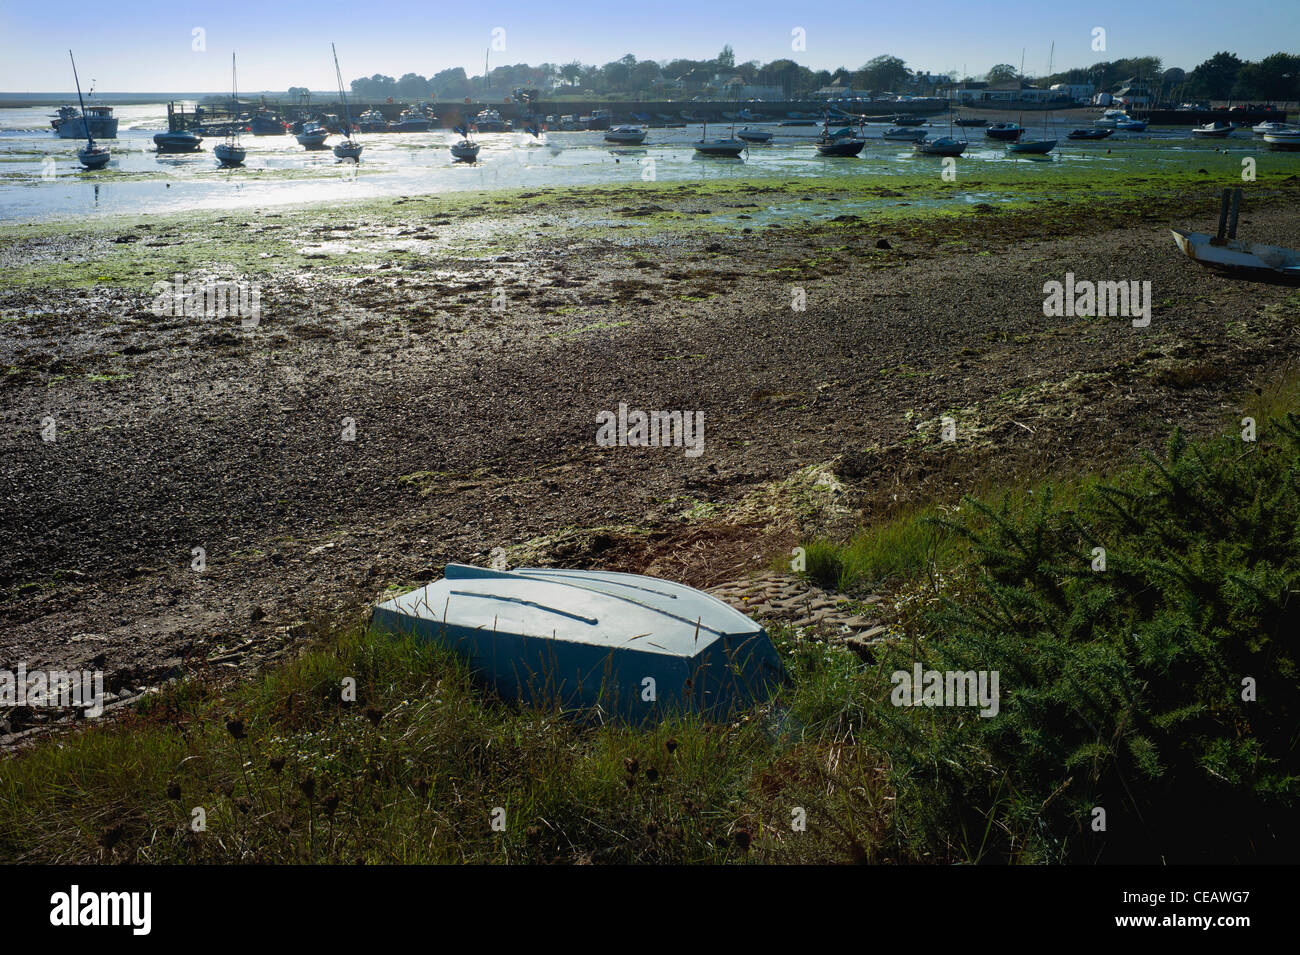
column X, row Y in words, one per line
column 1232, row 255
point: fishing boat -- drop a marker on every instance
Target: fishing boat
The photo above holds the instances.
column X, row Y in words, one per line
column 231, row 153
column 466, row 150
column 730, row 148
column 1215, row 130
column 592, row 640
column 73, row 124
column 267, row 123
column 490, row 121
column 178, row 141
column 625, row 135
column 1286, row 140
column 1094, row 132
column 409, row 121
column 372, row 121
column 89, row 155
column 1270, row 127
column 751, row 135
column 349, row 148
column 1004, row 132
column 313, row 136
column 909, row 134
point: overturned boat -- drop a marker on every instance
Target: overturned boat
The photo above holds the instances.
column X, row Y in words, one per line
column 627, row 645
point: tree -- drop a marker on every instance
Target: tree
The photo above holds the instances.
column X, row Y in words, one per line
column 451, row 84
column 1275, row 77
column 1002, row 73
column 412, row 86
column 726, row 59
column 298, row 92
column 1215, row 78
column 883, row 73
column 571, row 72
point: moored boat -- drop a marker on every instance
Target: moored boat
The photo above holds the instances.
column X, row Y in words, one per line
column 910, row 134
column 90, row 155
column 1004, row 132
column 751, row 135
column 349, row 148
column 178, row 141
column 1215, row 130
column 230, row 153
column 1270, row 127
column 98, row 120
column 372, row 121
column 1093, row 133
column 267, row 123
column 1286, row 140
column 410, row 121
column 313, row 136
column 625, row 135
column 729, row 148
column 943, row 146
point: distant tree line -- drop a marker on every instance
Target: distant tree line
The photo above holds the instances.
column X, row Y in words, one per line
column 1222, row 76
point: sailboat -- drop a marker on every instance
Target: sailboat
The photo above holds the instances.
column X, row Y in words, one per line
column 349, row 148
column 230, row 153
column 466, row 150
column 840, row 143
column 730, row 148
column 90, row 155
column 943, row 146
column 1038, row 147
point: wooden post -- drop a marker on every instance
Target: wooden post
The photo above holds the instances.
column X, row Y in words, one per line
column 1236, row 210
column 1223, row 214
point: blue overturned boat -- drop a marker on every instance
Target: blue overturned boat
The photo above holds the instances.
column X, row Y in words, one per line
column 629, row 646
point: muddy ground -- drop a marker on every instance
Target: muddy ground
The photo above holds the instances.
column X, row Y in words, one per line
column 475, row 425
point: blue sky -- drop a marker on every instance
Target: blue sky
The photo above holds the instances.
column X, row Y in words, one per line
column 146, row 45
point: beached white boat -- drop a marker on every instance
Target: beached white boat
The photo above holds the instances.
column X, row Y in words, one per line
column 349, row 148
column 230, row 153
column 1234, row 255
column 593, row 640
column 1259, row 129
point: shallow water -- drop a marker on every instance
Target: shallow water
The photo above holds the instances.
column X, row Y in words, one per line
column 40, row 178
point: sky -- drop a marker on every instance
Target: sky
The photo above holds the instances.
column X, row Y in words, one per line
column 150, row 45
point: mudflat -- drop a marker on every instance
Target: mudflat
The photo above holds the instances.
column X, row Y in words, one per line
column 425, row 378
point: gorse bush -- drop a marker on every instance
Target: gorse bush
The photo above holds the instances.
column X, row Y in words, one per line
column 1122, row 688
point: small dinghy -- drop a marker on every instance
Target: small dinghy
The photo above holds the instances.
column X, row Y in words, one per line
column 1226, row 253
column 633, row 646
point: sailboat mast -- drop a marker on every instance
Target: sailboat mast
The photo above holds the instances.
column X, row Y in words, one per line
column 85, row 123
column 339, row 75
column 1051, row 58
